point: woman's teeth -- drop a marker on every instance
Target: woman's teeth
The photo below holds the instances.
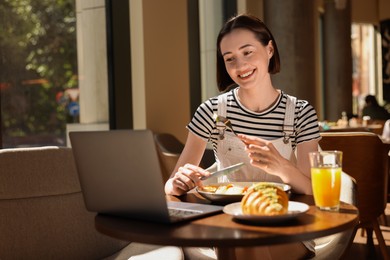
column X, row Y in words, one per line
column 246, row 74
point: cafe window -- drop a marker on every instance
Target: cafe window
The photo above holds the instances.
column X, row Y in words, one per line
column 366, row 60
column 38, row 72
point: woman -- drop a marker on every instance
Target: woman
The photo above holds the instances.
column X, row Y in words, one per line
column 275, row 131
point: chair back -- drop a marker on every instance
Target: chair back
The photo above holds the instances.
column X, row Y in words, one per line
column 42, row 209
column 169, row 149
column 366, row 160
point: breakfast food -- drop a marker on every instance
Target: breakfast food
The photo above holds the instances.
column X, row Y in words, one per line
column 229, row 189
column 265, row 199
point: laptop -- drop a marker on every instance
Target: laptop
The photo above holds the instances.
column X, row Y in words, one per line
column 120, row 174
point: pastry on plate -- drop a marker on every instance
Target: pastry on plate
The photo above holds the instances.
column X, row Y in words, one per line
column 265, row 199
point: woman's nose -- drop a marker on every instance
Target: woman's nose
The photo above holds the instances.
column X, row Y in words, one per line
column 240, row 64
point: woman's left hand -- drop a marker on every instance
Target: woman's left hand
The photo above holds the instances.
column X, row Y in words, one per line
column 263, row 154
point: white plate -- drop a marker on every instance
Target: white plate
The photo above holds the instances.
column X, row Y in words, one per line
column 295, row 209
column 230, row 198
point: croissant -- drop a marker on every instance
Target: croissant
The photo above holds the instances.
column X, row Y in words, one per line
column 265, row 199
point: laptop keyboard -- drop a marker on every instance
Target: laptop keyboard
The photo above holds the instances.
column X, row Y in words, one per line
column 175, row 212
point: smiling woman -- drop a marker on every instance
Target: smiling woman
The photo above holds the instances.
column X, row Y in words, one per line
column 270, row 126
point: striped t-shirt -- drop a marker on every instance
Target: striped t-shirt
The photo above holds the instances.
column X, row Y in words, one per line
column 266, row 124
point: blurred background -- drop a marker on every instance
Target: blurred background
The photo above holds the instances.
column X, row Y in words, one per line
column 102, row 64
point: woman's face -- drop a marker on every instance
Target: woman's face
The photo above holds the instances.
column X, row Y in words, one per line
column 246, row 59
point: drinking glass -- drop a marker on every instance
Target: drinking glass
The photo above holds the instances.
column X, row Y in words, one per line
column 326, row 178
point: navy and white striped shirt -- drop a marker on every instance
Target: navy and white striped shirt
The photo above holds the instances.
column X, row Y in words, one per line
column 267, row 124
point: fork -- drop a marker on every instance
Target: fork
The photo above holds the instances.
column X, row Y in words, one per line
column 226, row 122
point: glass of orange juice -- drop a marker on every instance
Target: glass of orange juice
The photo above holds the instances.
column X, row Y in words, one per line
column 326, row 178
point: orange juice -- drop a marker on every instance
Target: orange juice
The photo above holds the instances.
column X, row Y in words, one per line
column 326, row 187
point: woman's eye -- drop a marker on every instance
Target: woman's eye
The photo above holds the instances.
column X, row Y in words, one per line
column 247, row 53
column 229, row 59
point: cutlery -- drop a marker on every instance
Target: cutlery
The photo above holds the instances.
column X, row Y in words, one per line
column 224, row 171
column 226, row 122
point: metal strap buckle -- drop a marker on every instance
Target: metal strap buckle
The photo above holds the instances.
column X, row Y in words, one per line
column 221, row 131
column 286, row 137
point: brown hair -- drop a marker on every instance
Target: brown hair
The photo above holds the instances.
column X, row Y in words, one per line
column 262, row 33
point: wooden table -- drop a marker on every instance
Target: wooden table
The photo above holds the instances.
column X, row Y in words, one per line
column 225, row 233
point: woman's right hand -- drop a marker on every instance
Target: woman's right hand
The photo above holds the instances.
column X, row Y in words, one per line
column 185, row 179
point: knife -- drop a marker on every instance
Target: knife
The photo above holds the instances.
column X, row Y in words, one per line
column 224, row 171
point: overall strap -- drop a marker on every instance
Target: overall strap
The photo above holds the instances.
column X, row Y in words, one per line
column 222, row 102
column 288, row 124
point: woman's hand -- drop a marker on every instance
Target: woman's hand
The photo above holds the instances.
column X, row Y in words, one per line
column 186, row 178
column 264, row 155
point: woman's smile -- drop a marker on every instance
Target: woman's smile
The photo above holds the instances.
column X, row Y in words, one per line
column 246, row 74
